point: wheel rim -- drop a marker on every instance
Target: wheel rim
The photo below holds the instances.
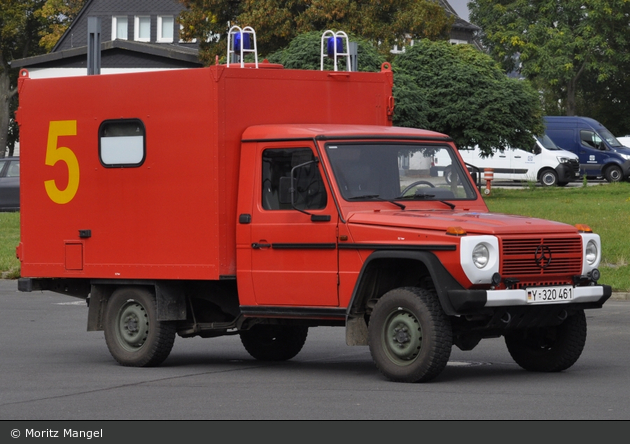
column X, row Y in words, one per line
column 549, row 179
column 615, row 175
column 132, row 326
column 402, row 337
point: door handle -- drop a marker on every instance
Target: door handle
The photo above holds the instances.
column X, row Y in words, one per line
column 257, row 246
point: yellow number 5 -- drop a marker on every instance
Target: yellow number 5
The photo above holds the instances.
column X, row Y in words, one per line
column 54, row 154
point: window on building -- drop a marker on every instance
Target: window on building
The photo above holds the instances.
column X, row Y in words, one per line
column 165, row 26
column 142, row 29
column 121, row 143
column 119, row 28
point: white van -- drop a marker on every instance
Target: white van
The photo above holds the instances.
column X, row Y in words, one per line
column 545, row 163
column 625, row 140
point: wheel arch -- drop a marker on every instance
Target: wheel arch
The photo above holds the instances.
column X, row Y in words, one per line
column 170, row 300
column 386, row 270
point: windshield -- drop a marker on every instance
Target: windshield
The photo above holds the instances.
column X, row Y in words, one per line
column 607, row 135
column 548, row 143
column 398, row 171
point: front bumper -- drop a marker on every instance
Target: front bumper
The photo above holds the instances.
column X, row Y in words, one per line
column 501, row 298
column 474, row 301
column 566, row 173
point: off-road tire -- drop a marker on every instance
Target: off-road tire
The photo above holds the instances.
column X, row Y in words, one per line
column 134, row 336
column 274, row 342
column 549, row 349
column 409, row 335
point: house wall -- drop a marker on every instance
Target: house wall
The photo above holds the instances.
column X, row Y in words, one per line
column 106, row 9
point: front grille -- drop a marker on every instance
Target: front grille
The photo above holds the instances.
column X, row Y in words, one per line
column 562, row 259
column 575, row 165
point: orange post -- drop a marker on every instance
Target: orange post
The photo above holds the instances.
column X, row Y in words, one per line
column 488, row 176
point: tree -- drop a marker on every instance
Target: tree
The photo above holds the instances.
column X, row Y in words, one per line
column 27, row 28
column 19, row 29
column 277, row 22
column 57, row 15
column 467, row 96
column 556, row 43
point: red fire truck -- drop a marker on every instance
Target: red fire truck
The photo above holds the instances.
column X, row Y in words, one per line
column 260, row 201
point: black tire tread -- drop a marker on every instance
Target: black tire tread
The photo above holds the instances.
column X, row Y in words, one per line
column 571, row 337
column 439, row 330
column 162, row 337
column 286, row 344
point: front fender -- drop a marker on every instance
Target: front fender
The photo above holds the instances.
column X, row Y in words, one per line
column 368, row 288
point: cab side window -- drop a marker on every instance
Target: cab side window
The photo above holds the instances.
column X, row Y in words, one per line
column 309, row 191
column 591, row 139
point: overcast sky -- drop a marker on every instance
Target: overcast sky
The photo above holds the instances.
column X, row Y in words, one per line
column 461, row 7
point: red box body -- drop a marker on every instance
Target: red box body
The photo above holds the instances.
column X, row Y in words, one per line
column 172, row 217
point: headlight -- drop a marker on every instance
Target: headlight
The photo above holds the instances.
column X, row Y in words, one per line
column 563, row 159
column 480, row 256
column 591, row 252
column 625, row 156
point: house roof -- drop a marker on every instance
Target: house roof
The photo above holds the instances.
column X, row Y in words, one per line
column 119, row 53
column 68, row 57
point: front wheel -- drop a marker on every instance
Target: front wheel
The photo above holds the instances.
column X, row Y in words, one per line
column 409, row 335
column 274, row 342
column 613, row 173
column 549, row 178
column 549, row 349
column 133, row 334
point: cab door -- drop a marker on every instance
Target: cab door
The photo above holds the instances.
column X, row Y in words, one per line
column 591, row 154
column 292, row 240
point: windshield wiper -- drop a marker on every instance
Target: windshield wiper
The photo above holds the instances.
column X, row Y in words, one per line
column 377, row 197
column 424, row 196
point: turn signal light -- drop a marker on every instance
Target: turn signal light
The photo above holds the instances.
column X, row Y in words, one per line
column 456, row 231
column 583, row 228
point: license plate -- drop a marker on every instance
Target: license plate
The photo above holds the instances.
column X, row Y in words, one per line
column 549, row 295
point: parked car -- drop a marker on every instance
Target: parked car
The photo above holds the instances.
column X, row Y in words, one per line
column 544, row 162
column 625, row 141
column 10, row 184
column 601, row 154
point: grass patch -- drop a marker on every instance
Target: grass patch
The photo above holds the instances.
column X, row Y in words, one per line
column 9, row 239
column 604, row 207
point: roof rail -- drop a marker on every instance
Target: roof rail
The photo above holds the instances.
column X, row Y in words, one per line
column 240, row 40
column 334, row 48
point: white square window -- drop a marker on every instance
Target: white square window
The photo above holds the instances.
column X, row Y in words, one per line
column 122, row 143
column 165, row 26
column 142, row 29
column 119, row 28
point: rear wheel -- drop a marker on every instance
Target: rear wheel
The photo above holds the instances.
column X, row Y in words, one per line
column 409, row 335
column 133, row 334
column 549, row 349
column 274, row 342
